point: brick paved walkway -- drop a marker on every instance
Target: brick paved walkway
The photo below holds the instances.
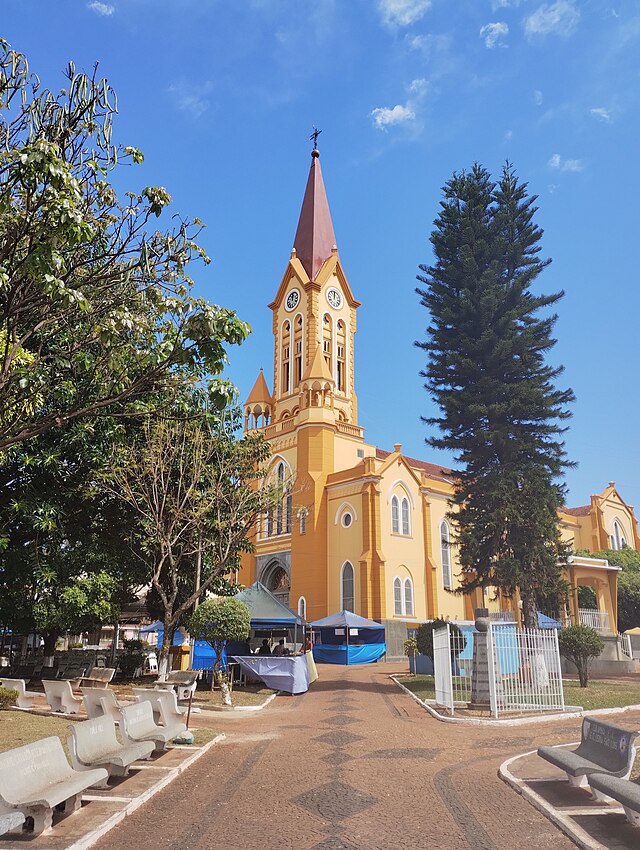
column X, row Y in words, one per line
column 353, row 765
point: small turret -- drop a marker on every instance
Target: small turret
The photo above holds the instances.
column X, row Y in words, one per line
column 258, row 408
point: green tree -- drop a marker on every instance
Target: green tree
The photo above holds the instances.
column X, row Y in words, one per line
column 580, row 644
column 96, row 307
column 500, row 412
column 196, row 492
column 424, row 637
column 218, row 621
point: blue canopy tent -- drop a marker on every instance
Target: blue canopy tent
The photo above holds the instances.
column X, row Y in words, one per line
column 347, row 638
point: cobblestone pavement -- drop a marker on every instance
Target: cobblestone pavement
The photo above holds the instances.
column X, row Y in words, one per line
column 354, row 764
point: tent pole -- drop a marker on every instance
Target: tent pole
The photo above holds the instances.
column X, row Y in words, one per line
column 347, row 631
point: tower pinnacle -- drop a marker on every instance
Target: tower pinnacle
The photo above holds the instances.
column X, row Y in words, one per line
column 314, row 237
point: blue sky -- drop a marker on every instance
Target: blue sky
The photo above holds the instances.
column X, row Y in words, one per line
column 222, row 95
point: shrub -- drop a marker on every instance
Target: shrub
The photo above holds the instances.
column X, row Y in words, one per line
column 410, row 647
column 132, row 658
column 424, row 637
column 580, row 644
column 219, row 620
column 7, row 697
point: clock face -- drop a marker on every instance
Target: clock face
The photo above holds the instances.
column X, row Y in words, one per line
column 334, row 298
column 292, row 300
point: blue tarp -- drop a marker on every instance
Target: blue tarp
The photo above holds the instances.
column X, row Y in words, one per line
column 347, row 638
column 545, row 622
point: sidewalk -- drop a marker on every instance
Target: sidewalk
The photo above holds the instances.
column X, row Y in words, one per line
column 352, row 765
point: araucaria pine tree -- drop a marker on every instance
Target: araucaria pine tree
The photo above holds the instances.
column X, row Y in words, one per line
column 500, row 411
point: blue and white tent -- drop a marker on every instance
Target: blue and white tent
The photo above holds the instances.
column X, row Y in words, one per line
column 347, row 638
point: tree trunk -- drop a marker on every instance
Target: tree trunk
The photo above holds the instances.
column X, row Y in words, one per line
column 529, row 608
column 165, row 657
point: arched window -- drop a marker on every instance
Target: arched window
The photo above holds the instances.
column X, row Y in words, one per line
column 302, row 516
column 406, row 528
column 279, row 509
column 397, row 597
column 347, row 589
column 327, row 342
column 297, row 351
column 618, row 540
column 286, row 358
column 302, row 608
column 341, row 356
column 445, row 543
column 395, row 515
column 408, row 597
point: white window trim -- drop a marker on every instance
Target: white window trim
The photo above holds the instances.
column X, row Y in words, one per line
column 303, row 613
column 446, row 586
column 353, row 572
column 397, row 613
column 396, row 500
column 621, row 538
column 286, row 390
column 408, row 580
column 399, row 483
column 402, row 503
column 293, row 350
column 403, row 598
column 343, row 507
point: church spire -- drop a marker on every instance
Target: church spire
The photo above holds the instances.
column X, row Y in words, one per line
column 314, row 237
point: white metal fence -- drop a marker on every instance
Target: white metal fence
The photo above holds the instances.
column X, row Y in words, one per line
column 625, row 645
column 504, row 669
column 598, row 620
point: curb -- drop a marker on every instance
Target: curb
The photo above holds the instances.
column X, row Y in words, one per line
column 577, row 711
column 239, row 708
column 90, row 838
column 564, row 823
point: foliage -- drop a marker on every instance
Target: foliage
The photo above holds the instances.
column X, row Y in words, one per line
column 628, row 584
column 580, row 644
column 194, row 488
column 219, row 620
column 132, row 658
column 500, row 412
column 96, row 307
column 424, row 637
column 410, row 647
column 8, row 697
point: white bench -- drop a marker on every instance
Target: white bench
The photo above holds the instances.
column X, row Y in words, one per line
column 25, row 697
column 165, row 706
column 101, row 701
column 37, row 777
column 10, row 820
column 622, row 791
column 99, row 677
column 60, row 696
column 184, row 681
column 93, row 743
column 137, row 724
column 604, row 748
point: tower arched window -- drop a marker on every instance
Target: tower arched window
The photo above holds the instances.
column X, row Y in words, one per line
column 279, row 509
column 618, row 539
column 347, row 588
column 408, row 597
column 327, row 342
column 341, row 356
column 286, row 358
column 297, row 350
column 397, row 597
column 302, row 608
column 395, row 515
column 445, row 543
column 406, row 526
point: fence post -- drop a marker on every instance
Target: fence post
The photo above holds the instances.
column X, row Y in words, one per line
column 491, row 658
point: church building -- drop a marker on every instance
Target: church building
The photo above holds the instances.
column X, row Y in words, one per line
column 361, row 528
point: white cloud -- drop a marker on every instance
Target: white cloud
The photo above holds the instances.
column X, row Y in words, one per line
column 190, row 98
column 494, row 34
column 559, row 164
column 508, row 135
column 601, row 114
column 503, row 4
column 537, row 97
column 384, row 116
column 418, row 87
column 104, row 9
column 559, row 18
column 402, row 13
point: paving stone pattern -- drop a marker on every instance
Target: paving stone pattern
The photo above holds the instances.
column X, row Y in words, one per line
column 289, row 778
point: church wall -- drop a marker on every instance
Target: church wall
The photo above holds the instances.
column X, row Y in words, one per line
column 449, row 604
column 346, row 452
column 613, row 509
column 343, row 543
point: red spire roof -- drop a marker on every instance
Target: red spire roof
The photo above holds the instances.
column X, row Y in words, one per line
column 314, row 237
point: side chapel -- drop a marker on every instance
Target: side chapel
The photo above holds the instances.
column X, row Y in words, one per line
column 361, row 528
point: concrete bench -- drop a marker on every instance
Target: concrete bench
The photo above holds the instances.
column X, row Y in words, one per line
column 137, row 724
column 604, row 748
column 10, row 820
column 165, row 706
column 37, row 777
column 184, row 681
column 99, row 702
column 99, row 677
column 93, row 743
column 25, row 697
column 60, row 696
column 621, row 790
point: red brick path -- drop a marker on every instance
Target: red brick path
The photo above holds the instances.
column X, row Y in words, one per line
column 355, row 764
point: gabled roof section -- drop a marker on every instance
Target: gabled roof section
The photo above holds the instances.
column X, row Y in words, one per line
column 314, row 237
column 433, row 470
column 582, row 510
column 260, row 393
column 318, row 368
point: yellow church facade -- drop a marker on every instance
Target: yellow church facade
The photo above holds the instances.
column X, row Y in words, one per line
column 361, row 528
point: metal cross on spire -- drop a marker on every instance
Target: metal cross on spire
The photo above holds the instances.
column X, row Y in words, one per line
column 314, row 137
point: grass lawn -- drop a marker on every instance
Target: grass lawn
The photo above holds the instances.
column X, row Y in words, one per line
column 595, row 695
column 245, row 695
column 19, row 727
